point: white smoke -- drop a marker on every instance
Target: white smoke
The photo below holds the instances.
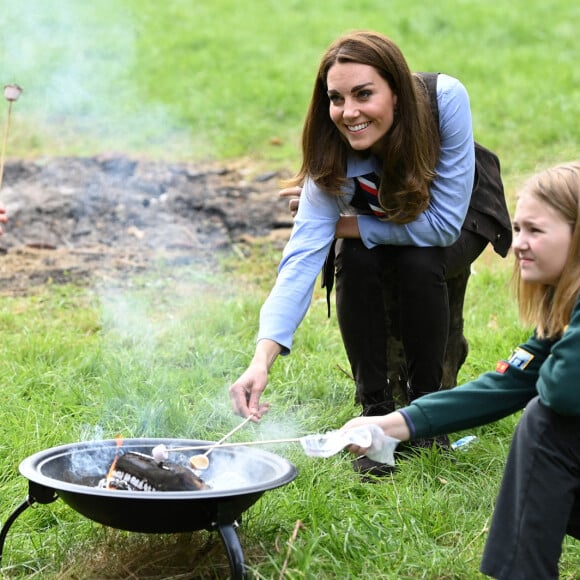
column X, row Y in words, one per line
column 77, row 78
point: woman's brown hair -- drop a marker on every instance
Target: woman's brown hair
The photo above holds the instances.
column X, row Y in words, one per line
column 411, row 148
column 549, row 308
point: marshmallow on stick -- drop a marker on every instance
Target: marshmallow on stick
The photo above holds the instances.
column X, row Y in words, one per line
column 11, row 94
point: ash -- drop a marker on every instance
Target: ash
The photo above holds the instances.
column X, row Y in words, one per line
column 71, row 218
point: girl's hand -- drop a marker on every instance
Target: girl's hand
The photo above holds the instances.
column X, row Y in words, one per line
column 393, row 425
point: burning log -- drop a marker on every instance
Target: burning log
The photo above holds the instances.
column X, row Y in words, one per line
column 134, row 471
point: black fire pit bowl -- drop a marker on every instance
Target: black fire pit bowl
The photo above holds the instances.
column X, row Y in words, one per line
column 238, row 477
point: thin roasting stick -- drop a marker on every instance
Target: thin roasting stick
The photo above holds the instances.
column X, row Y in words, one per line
column 238, row 444
column 228, row 435
column 201, row 461
column 11, row 93
column 4, row 140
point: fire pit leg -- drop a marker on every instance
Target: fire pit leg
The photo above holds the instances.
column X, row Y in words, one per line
column 234, row 551
column 36, row 493
column 6, row 527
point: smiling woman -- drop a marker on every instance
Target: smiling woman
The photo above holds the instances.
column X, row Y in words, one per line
column 394, row 188
column 362, row 105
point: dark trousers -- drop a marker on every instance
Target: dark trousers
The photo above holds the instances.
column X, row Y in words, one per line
column 362, row 280
column 539, row 498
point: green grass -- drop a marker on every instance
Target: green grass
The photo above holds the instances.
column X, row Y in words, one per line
column 230, row 81
column 224, row 79
column 155, row 359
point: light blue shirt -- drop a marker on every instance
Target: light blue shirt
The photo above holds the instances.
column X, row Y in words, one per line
column 318, row 212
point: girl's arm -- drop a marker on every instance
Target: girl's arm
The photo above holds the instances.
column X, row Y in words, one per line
column 559, row 381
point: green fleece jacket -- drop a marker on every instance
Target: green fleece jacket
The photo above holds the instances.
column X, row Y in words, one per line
column 549, row 369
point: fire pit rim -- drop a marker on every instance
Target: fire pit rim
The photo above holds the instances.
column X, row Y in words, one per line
column 31, row 469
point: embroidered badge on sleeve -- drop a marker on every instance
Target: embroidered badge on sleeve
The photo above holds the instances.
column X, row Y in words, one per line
column 521, row 358
column 502, row 366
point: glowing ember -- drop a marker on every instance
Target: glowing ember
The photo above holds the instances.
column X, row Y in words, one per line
column 109, row 478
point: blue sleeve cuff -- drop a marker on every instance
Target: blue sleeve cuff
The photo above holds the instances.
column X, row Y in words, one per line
column 409, row 422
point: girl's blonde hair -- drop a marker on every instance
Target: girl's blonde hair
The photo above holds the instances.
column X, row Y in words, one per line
column 547, row 307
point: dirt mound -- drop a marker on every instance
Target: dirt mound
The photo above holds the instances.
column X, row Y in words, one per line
column 71, row 219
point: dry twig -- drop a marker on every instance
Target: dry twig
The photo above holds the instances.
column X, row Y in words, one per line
column 293, row 537
column 344, row 372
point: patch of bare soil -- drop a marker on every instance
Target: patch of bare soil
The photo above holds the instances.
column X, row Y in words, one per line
column 74, row 219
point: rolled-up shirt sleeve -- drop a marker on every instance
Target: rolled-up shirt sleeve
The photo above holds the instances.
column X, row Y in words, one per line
column 440, row 224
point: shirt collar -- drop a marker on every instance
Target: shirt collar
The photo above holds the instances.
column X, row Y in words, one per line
column 357, row 165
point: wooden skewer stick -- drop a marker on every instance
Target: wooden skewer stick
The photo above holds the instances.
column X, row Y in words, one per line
column 201, row 460
column 228, row 435
column 238, row 444
column 4, row 141
column 11, row 93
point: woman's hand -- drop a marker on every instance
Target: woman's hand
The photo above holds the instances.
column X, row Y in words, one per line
column 246, row 392
column 347, row 225
column 294, row 194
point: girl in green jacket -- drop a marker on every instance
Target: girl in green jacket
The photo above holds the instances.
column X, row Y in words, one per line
column 539, row 498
